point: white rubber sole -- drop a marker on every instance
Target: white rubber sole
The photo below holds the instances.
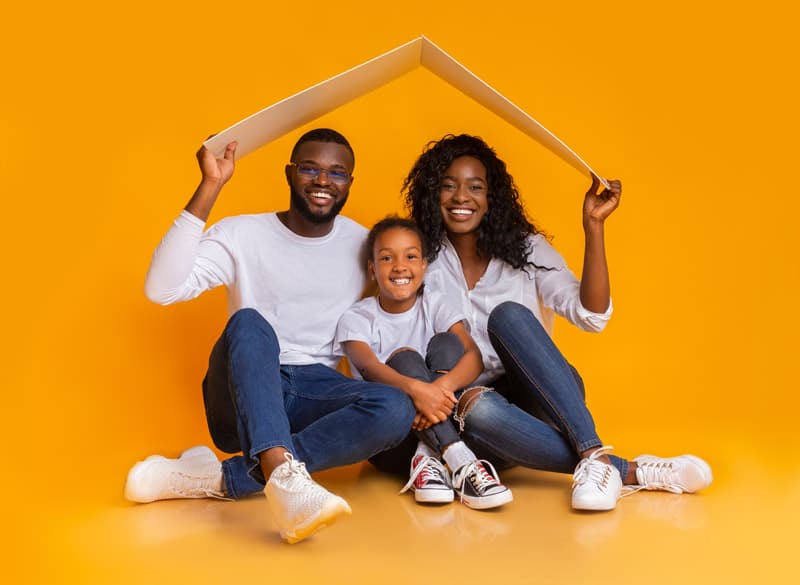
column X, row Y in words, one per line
column 330, row 513
column 434, row 496
column 486, row 502
column 594, row 506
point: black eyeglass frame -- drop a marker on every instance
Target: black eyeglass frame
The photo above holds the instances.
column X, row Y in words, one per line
column 314, row 171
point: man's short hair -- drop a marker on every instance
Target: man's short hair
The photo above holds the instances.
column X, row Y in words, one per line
column 323, row 135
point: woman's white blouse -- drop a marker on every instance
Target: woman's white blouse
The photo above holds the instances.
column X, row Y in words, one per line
column 545, row 290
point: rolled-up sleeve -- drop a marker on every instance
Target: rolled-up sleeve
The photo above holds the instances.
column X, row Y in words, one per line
column 559, row 289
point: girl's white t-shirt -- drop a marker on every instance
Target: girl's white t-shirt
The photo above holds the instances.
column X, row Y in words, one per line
column 386, row 332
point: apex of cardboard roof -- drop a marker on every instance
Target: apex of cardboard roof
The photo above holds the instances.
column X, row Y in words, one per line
column 303, row 107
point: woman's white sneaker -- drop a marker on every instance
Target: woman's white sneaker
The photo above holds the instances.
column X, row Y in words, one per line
column 682, row 474
column 596, row 485
column 197, row 473
column 300, row 506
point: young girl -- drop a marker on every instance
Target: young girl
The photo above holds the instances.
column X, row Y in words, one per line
column 385, row 339
column 494, row 265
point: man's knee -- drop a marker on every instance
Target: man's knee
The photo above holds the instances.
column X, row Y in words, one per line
column 245, row 317
column 249, row 321
column 396, row 411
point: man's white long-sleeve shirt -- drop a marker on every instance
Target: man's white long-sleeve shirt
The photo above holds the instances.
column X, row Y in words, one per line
column 300, row 285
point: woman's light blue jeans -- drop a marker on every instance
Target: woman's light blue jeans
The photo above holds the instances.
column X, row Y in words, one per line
column 322, row 417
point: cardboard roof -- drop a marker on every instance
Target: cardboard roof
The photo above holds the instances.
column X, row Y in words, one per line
column 311, row 103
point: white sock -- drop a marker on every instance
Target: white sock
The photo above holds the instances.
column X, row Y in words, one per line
column 423, row 449
column 457, row 455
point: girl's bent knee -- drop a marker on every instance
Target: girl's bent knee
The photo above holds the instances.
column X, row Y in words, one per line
column 444, row 351
column 403, row 352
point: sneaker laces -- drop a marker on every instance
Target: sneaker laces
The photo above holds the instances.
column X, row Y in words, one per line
column 656, row 475
column 189, row 485
column 427, row 469
column 294, row 472
column 591, row 469
column 478, row 475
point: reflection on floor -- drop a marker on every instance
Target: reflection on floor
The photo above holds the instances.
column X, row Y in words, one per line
column 741, row 530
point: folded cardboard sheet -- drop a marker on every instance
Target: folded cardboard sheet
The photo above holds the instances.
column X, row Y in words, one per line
column 311, row 103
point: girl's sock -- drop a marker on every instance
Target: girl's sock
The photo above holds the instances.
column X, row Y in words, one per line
column 457, row 455
column 423, row 449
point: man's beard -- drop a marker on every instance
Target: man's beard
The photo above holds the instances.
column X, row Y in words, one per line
column 301, row 204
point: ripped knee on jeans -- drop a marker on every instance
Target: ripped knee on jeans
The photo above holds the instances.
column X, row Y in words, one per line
column 465, row 403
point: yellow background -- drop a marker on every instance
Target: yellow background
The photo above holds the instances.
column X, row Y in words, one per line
column 691, row 104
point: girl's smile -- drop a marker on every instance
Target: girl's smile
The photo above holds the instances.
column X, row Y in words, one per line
column 398, row 266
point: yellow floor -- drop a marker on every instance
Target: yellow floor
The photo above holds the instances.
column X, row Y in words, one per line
column 741, row 530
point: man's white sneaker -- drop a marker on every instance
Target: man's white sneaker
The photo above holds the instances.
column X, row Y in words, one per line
column 300, row 506
column 429, row 480
column 596, row 485
column 197, row 473
column 682, row 474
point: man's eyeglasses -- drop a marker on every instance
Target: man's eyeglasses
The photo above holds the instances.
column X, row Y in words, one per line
column 313, row 171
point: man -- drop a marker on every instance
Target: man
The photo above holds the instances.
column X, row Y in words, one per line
column 271, row 391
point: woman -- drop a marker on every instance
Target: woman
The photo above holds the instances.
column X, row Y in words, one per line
column 491, row 260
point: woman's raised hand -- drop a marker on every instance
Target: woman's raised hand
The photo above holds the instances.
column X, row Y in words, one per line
column 597, row 206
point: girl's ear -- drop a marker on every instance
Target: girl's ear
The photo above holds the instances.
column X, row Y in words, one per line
column 371, row 269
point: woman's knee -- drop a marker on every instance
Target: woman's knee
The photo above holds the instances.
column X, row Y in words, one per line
column 475, row 405
column 510, row 313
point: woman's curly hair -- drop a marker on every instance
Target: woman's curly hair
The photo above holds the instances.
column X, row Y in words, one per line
column 504, row 230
